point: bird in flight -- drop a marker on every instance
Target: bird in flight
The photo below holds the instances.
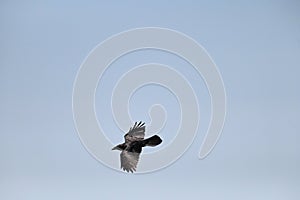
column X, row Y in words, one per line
column 132, row 147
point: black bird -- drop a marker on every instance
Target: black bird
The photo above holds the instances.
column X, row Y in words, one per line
column 132, row 147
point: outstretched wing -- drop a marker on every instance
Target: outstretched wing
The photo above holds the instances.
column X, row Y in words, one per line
column 135, row 133
column 129, row 161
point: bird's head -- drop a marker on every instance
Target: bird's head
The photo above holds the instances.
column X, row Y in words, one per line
column 119, row 147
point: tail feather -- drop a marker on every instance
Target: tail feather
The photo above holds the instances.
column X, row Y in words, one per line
column 152, row 141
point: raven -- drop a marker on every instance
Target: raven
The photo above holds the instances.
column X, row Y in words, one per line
column 132, row 147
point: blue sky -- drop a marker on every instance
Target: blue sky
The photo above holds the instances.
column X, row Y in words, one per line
column 256, row 46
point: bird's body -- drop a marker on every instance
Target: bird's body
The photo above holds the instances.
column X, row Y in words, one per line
column 132, row 147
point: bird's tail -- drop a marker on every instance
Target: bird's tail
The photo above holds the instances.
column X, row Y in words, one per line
column 152, row 141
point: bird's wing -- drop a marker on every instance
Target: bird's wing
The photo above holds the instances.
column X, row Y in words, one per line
column 135, row 133
column 129, row 161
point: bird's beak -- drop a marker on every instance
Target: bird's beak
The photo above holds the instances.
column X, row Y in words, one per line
column 114, row 148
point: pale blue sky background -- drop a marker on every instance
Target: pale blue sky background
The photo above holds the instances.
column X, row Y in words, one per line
column 256, row 46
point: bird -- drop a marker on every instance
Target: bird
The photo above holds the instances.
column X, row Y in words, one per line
column 132, row 147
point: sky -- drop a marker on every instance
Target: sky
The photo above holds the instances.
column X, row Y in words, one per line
column 256, row 46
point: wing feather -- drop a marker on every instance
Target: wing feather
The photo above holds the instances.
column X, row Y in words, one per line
column 135, row 133
column 129, row 161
